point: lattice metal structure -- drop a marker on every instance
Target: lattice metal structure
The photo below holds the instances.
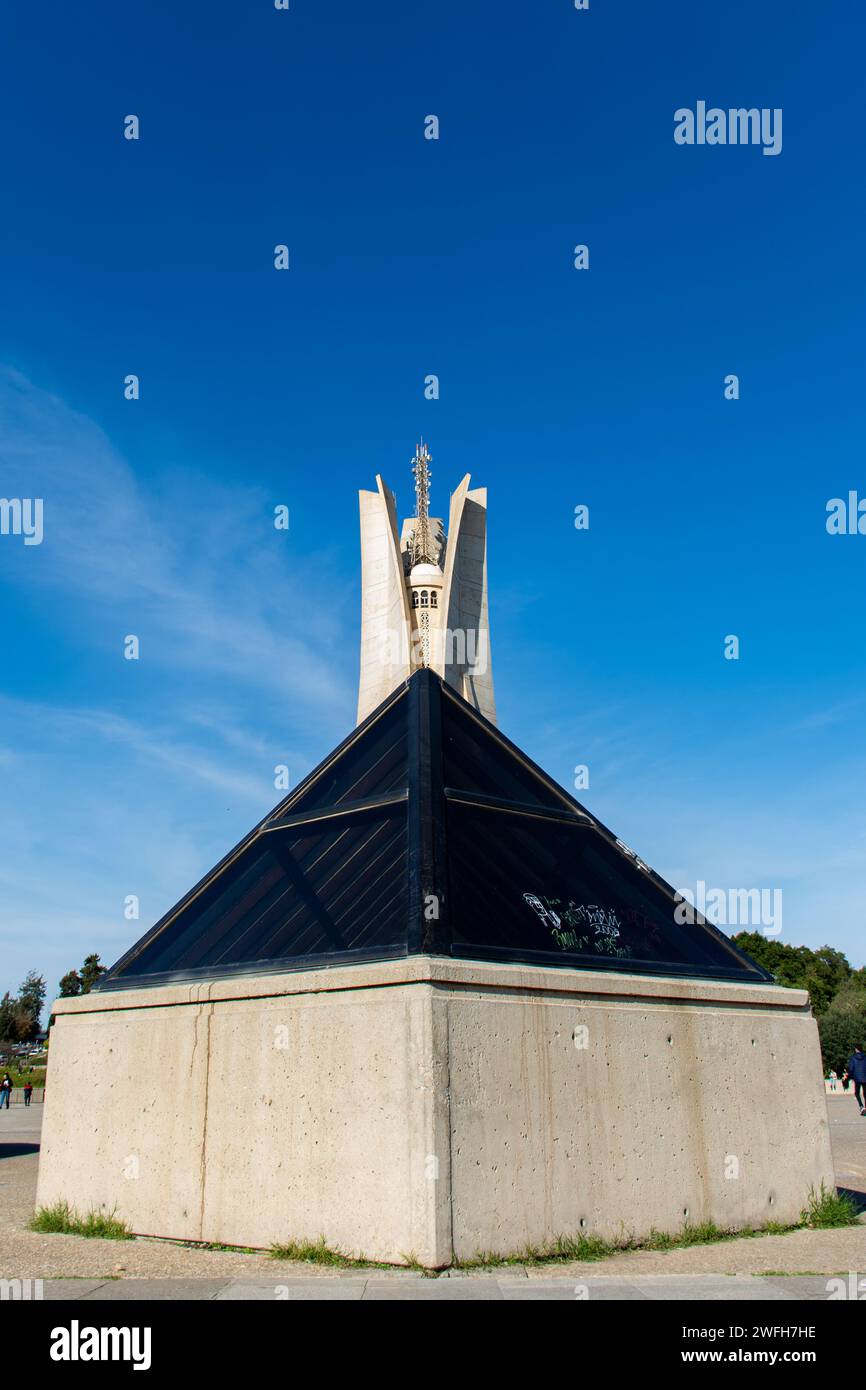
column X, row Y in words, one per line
column 423, row 549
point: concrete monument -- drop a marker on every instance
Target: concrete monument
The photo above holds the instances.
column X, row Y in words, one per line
column 424, row 594
column 431, row 1005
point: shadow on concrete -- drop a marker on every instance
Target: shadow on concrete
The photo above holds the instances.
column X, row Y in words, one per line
column 858, row 1197
column 16, row 1150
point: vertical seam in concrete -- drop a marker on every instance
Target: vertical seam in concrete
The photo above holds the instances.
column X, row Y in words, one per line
column 450, row 1128
column 202, row 1168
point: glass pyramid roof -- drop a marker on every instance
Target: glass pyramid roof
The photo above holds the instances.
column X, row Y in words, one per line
column 428, row 831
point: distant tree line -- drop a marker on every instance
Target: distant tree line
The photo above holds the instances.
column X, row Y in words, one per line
column 837, row 991
column 19, row 1016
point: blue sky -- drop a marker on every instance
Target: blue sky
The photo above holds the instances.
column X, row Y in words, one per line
column 558, row 387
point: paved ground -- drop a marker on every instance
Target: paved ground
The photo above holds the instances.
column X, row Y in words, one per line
column 451, row 1288
column 775, row 1267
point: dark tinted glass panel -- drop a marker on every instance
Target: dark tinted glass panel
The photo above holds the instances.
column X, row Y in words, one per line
column 524, row 885
column 474, row 761
column 372, row 766
column 335, row 886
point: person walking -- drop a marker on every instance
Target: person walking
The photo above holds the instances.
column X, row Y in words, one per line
column 832, row 1079
column 856, row 1071
column 28, row 1092
column 5, row 1091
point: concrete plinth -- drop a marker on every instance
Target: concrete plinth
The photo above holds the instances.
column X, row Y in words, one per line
column 434, row 1108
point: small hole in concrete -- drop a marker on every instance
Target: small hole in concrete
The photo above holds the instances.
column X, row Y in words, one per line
column 583, row 1222
column 670, row 1040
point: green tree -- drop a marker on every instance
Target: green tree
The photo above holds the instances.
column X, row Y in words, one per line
column 81, row 981
column 839, row 1030
column 783, row 962
column 851, row 998
column 90, row 973
column 31, row 997
column 15, row 1022
column 826, row 972
column 823, row 972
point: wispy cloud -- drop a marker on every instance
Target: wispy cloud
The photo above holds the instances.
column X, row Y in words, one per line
column 199, row 560
column 135, row 778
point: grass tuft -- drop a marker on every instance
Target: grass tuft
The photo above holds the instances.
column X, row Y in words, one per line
column 318, row 1252
column 61, row 1219
column 827, row 1208
column 311, row 1252
column 658, row 1240
column 413, row 1263
column 579, row 1248
column 563, row 1248
column 702, row 1233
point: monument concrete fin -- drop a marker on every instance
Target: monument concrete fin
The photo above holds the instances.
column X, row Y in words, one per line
column 424, row 600
column 385, row 618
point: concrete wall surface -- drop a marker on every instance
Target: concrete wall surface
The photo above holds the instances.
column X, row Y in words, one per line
column 429, row 1107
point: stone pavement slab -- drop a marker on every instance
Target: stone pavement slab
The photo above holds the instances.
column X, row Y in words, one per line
column 292, row 1290
column 705, row 1288
column 151, row 1290
column 573, row 1291
column 434, row 1290
column 67, row 1290
column 606, row 1288
column 803, row 1286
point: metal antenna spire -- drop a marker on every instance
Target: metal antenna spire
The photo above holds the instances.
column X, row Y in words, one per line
column 422, row 542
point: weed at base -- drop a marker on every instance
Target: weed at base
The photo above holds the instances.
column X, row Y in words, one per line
column 61, row 1219
column 826, row 1208
column 318, row 1252
column 311, row 1252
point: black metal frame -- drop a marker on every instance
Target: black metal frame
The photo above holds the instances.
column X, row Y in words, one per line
column 425, row 798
